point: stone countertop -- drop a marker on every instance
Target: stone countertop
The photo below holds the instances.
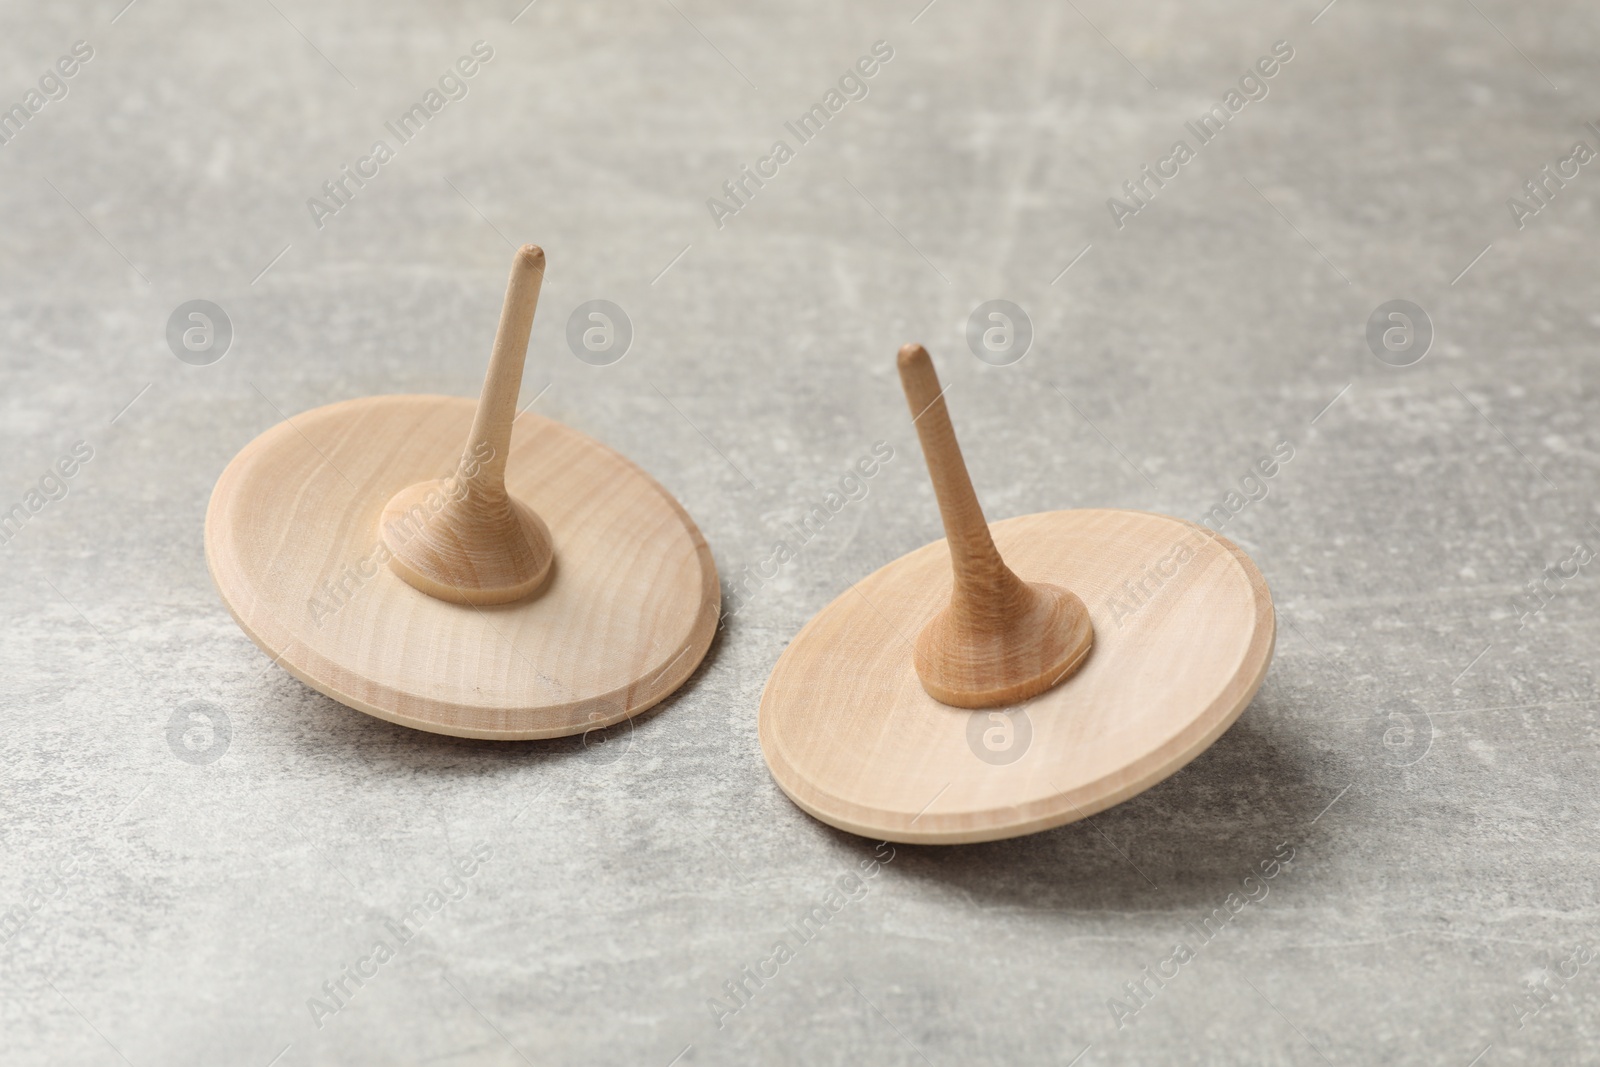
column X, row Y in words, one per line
column 1416, row 772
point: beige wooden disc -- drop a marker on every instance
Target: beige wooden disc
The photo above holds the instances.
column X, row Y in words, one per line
column 293, row 544
column 851, row 736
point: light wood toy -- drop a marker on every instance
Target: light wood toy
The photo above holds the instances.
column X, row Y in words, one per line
column 508, row 590
column 1014, row 677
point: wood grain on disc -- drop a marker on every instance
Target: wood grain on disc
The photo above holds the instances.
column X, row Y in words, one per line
column 293, row 543
column 1184, row 630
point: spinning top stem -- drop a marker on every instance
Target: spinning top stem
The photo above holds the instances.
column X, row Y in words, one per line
column 1002, row 639
column 464, row 539
column 497, row 406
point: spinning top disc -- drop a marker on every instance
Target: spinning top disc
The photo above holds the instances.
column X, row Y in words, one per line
column 624, row 598
column 853, row 738
column 1183, row 631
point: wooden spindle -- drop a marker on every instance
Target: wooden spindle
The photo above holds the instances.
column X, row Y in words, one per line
column 479, row 546
column 1001, row 640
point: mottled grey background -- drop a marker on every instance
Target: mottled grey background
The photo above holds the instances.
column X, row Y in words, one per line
column 1437, row 876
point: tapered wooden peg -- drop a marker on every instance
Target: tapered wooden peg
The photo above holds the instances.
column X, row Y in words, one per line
column 463, row 538
column 1001, row 640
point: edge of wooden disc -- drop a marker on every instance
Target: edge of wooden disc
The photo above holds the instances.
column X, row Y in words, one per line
column 642, row 689
column 1117, row 782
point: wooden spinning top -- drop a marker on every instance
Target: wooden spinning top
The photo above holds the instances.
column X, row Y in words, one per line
column 411, row 557
column 1101, row 650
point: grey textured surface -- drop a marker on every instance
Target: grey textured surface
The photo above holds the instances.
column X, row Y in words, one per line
column 163, row 911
